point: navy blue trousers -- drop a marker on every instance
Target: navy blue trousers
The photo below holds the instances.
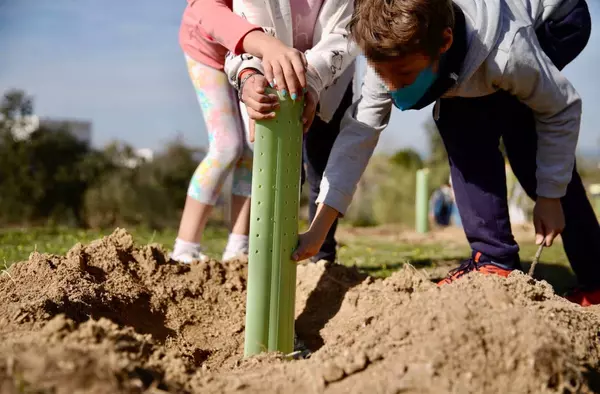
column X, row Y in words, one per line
column 471, row 129
column 318, row 143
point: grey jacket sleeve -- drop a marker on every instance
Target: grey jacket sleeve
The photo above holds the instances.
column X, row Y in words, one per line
column 535, row 81
column 360, row 130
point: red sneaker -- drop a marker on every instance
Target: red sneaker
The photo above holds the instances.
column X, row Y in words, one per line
column 584, row 297
column 473, row 265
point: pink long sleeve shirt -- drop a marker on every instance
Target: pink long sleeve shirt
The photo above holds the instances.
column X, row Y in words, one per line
column 209, row 29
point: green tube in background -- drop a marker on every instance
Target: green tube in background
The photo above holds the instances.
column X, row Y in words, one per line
column 274, row 231
column 421, row 206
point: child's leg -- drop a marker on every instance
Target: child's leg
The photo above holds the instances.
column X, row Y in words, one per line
column 220, row 109
column 238, row 241
column 241, row 189
column 488, row 228
column 471, row 138
column 317, row 146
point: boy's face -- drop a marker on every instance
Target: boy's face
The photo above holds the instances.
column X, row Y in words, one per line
column 403, row 71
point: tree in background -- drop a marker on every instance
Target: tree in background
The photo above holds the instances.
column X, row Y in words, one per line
column 49, row 176
column 43, row 175
column 437, row 150
column 407, row 158
column 438, row 157
column 386, row 192
column 14, row 108
column 149, row 194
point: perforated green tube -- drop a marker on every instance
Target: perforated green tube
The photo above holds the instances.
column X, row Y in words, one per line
column 274, row 231
column 261, row 243
column 421, row 206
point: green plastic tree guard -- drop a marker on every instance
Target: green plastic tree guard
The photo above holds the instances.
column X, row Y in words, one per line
column 274, row 231
column 421, row 205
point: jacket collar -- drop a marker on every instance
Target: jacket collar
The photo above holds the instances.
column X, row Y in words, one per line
column 450, row 64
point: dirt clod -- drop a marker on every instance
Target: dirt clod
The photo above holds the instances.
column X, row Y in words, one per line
column 113, row 317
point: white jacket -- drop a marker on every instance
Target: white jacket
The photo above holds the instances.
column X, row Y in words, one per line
column 331, row 59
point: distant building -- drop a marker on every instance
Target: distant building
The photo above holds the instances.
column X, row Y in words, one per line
column 80, row 129
column 140, row 156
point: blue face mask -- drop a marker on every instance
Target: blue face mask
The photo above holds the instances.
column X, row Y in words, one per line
column 408, row 96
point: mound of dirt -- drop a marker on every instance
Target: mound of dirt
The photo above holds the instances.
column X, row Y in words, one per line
column 113, row 317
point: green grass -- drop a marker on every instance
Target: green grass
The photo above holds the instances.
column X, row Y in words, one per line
column 374, row 255
column 17, row 244
column 381, row 258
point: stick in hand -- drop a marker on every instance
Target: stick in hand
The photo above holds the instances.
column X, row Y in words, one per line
column 536, row 258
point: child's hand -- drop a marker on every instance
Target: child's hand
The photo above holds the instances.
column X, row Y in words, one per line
column 548, row 220
column 259, row 104
column 309, row 245
column 286, row 67
column 311, row 241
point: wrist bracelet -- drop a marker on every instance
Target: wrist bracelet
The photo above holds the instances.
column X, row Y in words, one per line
column 246, row 77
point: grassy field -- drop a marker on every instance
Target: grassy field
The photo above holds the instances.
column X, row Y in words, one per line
column 378, row 251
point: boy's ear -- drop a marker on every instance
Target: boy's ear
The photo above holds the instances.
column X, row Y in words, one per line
column 448, row 40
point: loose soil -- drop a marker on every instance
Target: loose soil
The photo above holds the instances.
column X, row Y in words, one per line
column 112, row 317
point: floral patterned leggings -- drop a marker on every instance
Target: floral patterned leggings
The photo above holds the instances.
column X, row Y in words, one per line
column 228, row 148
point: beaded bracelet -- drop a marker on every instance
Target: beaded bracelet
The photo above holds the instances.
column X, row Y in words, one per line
column 246, row 77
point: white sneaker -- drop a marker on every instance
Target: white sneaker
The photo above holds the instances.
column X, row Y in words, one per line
column 188, row 257
column 230, row 256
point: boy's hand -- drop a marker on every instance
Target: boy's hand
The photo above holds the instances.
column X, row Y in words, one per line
column 259, row 104
column 311, row 241
column 548, row 220
column 309, row 245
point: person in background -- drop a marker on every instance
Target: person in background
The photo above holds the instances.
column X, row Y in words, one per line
column 455, row 215
column 440, row 206
column 317, row 28
column 493, row 69
column 442, row 209
column 209, row 30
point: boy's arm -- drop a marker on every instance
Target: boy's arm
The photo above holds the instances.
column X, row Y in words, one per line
column 335, row 52
column 360, row 130
column 535, row 81
column 221, row 23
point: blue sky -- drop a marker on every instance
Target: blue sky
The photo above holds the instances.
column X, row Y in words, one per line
column 118, row 63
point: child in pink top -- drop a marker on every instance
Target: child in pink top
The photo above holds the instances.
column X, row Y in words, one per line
column 209, row 30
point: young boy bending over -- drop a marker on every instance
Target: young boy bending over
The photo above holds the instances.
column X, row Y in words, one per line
column 493, row 70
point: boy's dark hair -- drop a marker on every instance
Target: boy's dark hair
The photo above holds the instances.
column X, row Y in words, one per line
column 385, row 29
